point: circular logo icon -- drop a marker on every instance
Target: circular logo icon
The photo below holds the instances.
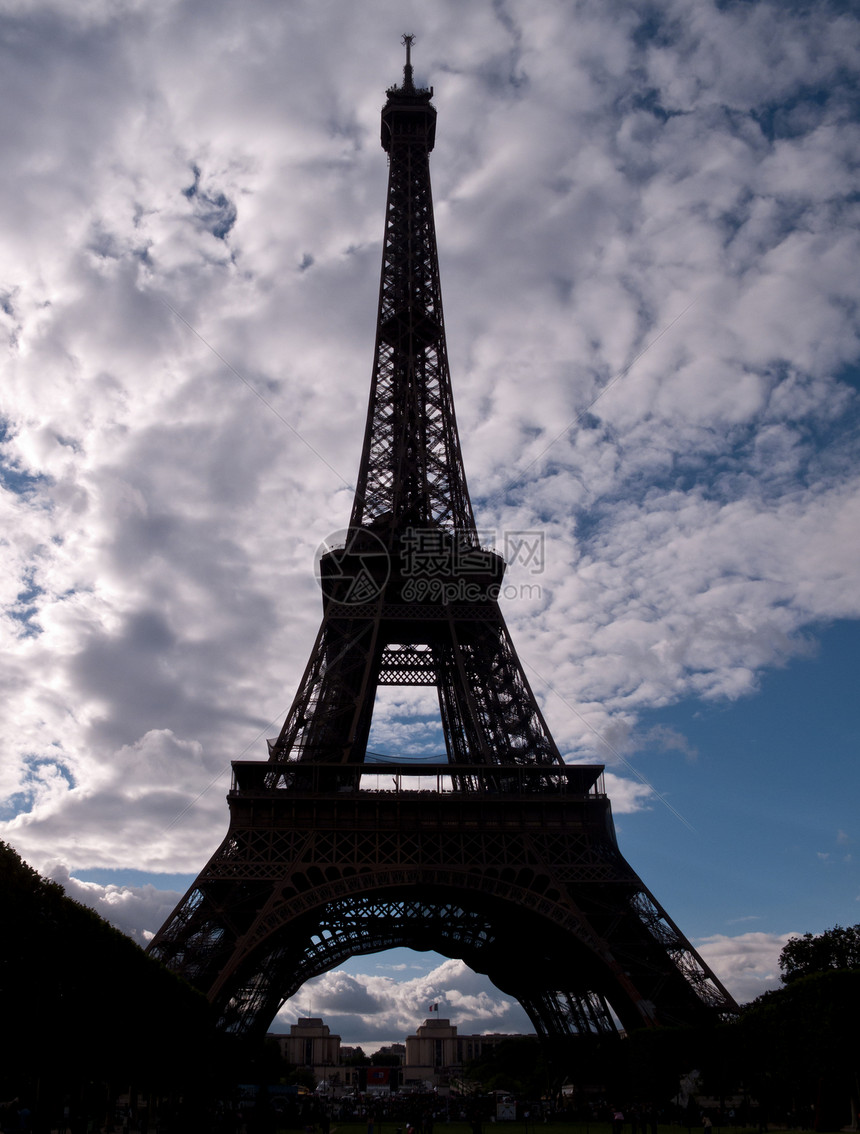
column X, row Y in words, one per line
column 352, row 566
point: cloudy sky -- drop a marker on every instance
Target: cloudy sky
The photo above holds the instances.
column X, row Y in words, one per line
column 647, row 219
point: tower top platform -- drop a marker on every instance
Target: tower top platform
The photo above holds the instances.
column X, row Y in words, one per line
column 408, row 114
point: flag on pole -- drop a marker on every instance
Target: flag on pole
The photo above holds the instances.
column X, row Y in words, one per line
column 433, row 1008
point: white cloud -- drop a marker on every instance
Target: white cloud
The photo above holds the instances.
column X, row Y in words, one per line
column 748, row 964
column 136, row 910
column 369, row 1007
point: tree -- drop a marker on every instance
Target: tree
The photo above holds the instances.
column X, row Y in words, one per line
column 836, row 948
column 356, row 1059
column 513, row 1064
column 82, row 1002
column 799, row 1050
column 302, row 1077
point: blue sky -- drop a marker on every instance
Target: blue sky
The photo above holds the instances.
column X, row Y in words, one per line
column 770, row 796
column 648, row 234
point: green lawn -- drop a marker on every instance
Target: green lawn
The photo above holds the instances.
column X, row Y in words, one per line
column 389, row 1126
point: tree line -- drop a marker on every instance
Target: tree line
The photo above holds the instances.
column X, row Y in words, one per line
column 83, row 1007
column 792, row 1054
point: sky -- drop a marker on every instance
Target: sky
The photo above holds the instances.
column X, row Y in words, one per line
column 647, row 216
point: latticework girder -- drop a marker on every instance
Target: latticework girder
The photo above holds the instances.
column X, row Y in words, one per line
column 511, row 863
column 308, row 877
column 488, row 711
column 411, row 470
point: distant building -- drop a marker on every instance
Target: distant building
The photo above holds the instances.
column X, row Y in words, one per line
column 311, row 1045
column 433, row 1057
column 436, row 1054
column 394, row 1049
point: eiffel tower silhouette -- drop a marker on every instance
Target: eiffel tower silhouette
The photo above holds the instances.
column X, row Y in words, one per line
column 508, row 859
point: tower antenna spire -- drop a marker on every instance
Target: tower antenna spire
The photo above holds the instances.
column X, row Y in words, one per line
column 408, row 40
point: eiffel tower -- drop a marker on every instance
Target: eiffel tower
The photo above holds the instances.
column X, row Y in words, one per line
column 509, row 859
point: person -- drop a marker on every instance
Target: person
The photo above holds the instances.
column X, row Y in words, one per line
column 617, row 1120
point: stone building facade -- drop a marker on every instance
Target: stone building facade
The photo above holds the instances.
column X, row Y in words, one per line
column 431, row 1059
column 436, row 1054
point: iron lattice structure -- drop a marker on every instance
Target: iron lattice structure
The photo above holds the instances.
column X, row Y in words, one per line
column 510, row 861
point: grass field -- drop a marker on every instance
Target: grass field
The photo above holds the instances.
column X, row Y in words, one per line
column 557, row 1127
